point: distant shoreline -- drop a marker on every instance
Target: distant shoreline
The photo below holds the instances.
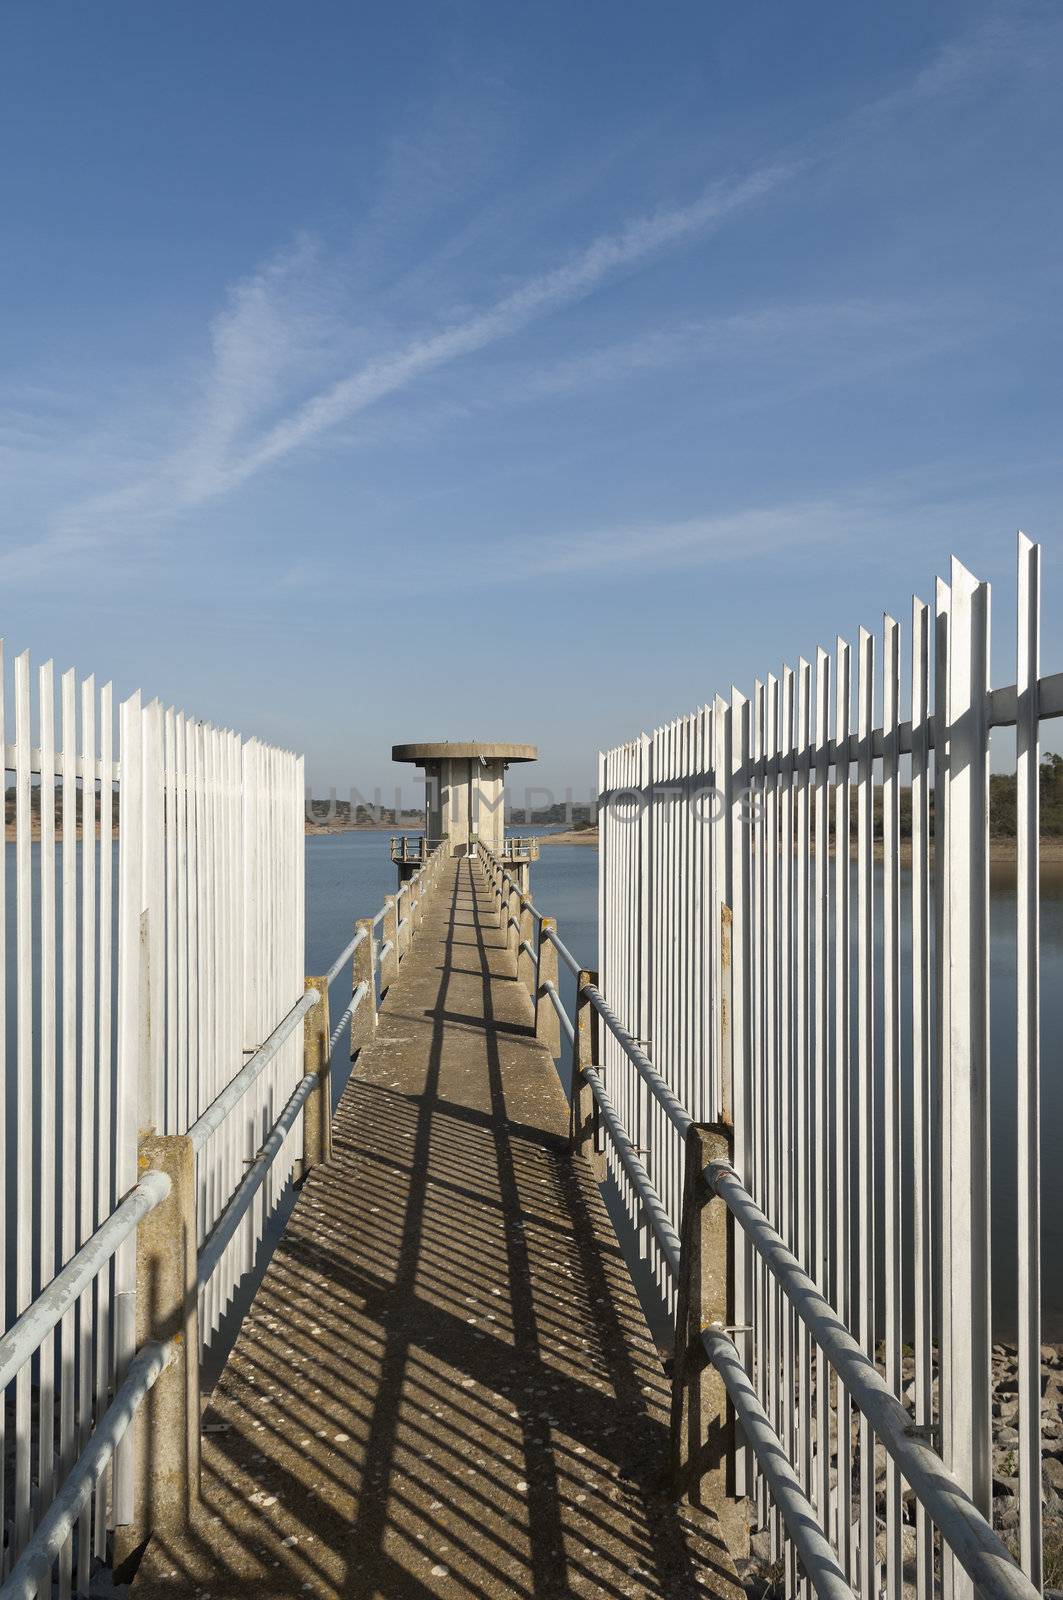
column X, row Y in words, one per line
column 1003, row 853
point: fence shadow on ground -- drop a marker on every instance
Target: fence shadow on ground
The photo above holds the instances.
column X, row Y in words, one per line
column 445, row 1386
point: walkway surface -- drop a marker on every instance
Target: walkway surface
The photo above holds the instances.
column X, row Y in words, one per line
column 445, row 1386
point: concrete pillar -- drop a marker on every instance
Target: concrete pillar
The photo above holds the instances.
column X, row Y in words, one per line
column 512, row 904
column 363, row 1021
column 317, row 1063
column 583, row 1108
column 547, row 1022
column 164, row 1434
column 402, row 922
column 389, row 964
column 526, row 935
column 703, row 1440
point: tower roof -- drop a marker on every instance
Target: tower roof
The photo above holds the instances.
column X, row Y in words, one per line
column 463, row 750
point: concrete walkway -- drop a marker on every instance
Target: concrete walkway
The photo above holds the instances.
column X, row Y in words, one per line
column 445, row 1385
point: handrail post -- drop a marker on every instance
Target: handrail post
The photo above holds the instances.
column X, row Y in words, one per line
column 703, row 1431
column 165, row 1447
column 525, row 964
column 583, row 1108
column 389, row 964
column 317, row 1063
column 363, row 970
column 547, row 1025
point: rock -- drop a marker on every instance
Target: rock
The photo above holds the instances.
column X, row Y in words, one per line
column 1005, row 1512
column 1007, row 1437
column 1052, row 1472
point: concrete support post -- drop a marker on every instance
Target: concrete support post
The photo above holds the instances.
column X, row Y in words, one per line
column 363, row 1021
column 417, row 890
column 583, row 1108
column 402, row 924
column 164, row 1447
column 389, row 963
column 703, row 1435
column 317, row 1063
column 526, row 935
column 547, row 1023
column 512, row 919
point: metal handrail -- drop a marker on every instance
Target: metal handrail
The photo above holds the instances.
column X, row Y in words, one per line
column 24, row 1336
column 44, row 1546
column 352, row 1006
column 816, row 1551
column 563, row 951
column 673, row 1108
column 657, row 1217
column 215, row 1114
column 558, row 1004
column 963, row 1528
column 221, row 1234
column 979, row 1550
column 345, row 955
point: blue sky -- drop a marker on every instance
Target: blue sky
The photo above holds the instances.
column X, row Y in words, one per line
column 383, row 373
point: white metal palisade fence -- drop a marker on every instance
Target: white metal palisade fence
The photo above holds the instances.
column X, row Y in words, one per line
column 750, row 940
column 134, row 982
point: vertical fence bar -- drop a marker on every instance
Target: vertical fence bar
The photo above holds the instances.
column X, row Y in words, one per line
column 87, row 1095
column 802, row 1122
column 840, row 1178
column 5, row 1320
column 69, row 1148
column 786, row 1142
column 106, row 1198
column 741, row 1040
column 966, row 1360
column 922, row 1071
column 821, row 1099
column 892, row 1145
column 1028, row 1056
column 129, row 902
column 24, row 1111
column 48, row 1099
column 759, row 1013
column 865, row 1086
column 942, row 1155
column 773, row 1120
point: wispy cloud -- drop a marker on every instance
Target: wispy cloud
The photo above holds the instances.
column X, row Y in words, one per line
column 576, row 278
column 270, row 388
column 832, row 341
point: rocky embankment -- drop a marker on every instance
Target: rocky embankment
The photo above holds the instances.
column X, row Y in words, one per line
column 761, row 1575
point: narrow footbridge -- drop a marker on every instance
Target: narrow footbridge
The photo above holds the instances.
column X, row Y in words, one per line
column 445, row 1383
column 371, row 1199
